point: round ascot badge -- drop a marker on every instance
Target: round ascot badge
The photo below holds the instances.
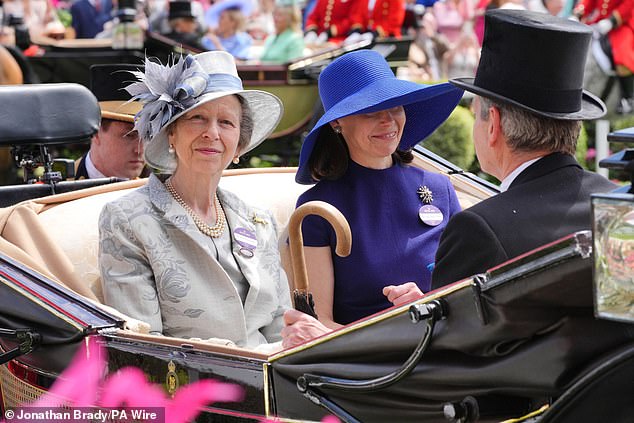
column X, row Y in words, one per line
column 430, row 215
column 247, row 241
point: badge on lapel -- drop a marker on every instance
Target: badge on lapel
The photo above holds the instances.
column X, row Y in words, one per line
column 247, row 241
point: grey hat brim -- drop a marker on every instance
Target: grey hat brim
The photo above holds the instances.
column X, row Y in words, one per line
column 266, row 110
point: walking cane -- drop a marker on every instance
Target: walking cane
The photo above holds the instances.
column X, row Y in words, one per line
column 302, row 298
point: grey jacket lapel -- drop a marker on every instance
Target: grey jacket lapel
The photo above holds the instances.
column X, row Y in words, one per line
column 238, row 217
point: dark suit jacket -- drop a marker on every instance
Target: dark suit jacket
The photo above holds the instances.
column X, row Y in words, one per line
column 547, row 201
column 82, row 173
column 80, row 168
column 88, row 21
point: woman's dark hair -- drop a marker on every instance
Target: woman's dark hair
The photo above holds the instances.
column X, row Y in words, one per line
column 330, row 156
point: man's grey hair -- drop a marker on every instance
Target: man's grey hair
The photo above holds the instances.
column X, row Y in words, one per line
column 526, row 131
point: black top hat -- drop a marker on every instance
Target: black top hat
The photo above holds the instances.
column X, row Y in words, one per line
column 126, row 10
column 535, row 61
column 180, row 9
column 107, row 83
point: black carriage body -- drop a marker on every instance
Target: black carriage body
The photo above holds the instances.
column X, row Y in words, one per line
column 172, row 364
column 60, row 317
column 515, row 339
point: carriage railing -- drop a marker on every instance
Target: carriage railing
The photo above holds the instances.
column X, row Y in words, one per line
column 310, row 385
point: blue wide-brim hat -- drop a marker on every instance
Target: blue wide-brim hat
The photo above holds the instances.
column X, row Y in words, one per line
column 362, row 82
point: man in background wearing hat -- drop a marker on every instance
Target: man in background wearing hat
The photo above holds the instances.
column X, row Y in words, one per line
column 183, row 26
column 528, row 108
column 115, row 150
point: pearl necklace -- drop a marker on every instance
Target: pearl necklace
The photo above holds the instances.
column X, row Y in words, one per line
column 212, row 231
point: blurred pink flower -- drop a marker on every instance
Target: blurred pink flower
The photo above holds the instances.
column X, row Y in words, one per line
column 84, row 384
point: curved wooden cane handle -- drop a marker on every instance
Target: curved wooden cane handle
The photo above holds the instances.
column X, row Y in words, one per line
column 296, row 240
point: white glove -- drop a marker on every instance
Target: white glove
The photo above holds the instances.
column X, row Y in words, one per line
column 367, row 36
column 352, row 38
column 322, row 38
column 603, row 26
column 310, row 38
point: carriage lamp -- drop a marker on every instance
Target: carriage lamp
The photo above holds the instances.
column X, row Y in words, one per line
column 613, row 239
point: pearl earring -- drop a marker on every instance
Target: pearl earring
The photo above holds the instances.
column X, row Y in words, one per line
column 236, row 160
column 171, row 149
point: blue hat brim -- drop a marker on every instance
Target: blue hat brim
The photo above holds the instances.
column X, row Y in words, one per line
column 426, row 108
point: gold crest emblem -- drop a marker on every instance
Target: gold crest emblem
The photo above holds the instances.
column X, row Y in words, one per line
column 171, row 379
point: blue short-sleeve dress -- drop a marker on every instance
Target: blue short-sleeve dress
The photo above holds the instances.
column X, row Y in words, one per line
column 390, row 243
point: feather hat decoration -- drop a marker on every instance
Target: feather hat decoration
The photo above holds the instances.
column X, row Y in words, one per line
column 169, row 91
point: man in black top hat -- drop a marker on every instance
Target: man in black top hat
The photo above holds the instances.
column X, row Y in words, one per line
column 529, row 106
column 184, row 27
column 115, row 150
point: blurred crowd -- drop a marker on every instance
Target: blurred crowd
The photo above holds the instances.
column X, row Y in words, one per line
column 446, row 34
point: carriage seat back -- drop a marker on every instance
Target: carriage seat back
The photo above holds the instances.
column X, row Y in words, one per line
column 41, row 114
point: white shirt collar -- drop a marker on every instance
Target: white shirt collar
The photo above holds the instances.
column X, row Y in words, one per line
column 506, row 182
column 91, row 170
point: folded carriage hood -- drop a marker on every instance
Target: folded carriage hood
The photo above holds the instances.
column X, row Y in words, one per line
column 62, row 318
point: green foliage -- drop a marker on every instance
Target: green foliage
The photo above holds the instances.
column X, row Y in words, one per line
column 622, row 122
column 64, row 17
column 453, row 140
column 582, row 147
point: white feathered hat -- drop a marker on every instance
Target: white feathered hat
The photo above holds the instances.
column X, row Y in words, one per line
column 169, row 91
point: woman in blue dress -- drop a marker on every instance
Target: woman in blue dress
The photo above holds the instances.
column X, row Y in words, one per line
column 358, row 154
column 229, row 35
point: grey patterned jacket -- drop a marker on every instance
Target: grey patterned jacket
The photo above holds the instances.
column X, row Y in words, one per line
column 158, row 267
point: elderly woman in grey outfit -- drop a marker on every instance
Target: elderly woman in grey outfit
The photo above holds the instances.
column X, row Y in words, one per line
column 187, row 257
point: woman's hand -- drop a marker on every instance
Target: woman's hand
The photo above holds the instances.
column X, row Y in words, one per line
column 402, row 294
column 300, row 328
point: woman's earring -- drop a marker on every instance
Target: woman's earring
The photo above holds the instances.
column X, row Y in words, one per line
column 337, row 129
column 236, row 160
column 171, row 149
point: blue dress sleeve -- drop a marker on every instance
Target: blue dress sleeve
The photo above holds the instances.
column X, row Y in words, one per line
column 241, row 49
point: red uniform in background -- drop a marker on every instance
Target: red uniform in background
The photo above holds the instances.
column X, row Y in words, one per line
column 386, row 18
column 614, row 18
column 337, row 17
